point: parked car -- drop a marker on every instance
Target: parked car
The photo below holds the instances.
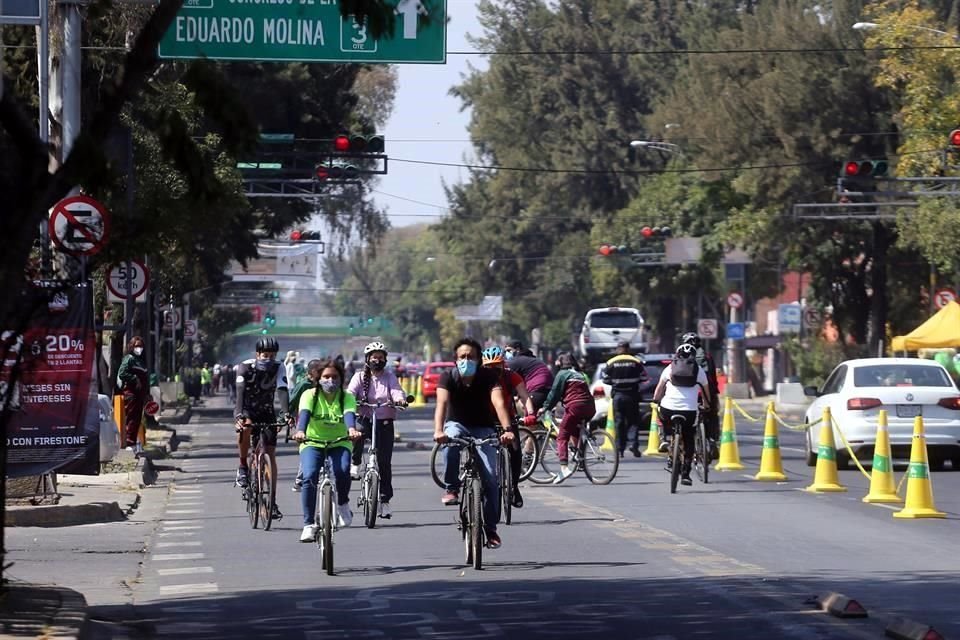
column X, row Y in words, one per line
column 431, row 376
column 654, row 363
column 604, row 328
column 858, row 389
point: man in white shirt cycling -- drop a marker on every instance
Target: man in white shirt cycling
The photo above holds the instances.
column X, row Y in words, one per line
column 681, row 383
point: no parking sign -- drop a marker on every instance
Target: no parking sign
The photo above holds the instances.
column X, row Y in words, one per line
column 79, row 225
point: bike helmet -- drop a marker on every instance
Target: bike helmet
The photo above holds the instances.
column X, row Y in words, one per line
column 691, row 338
column 267, row 344
column 492, row 355
column 373, row 347
column 686, row 351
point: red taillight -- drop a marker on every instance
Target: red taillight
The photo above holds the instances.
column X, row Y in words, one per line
column 586, row 339
column 950, row 403
column 862, row 404
column 598, row 392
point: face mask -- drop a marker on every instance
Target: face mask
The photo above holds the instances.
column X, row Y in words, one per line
column 378, row 365
column 328, row 385
column 138, row 351
column 467, row 367
column 263, row 365
column 508, row 355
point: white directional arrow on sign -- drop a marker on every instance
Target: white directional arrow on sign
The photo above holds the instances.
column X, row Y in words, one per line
column 410, row 9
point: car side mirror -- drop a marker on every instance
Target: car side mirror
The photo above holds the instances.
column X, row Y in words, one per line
column 811, row 392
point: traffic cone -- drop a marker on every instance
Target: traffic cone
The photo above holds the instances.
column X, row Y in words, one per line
column 653, row 440
column 919, row 490
column 729, row 451
column 825, row 478
column 418, row 399
column 882, row 487
column 611, row 428
column 771, row 464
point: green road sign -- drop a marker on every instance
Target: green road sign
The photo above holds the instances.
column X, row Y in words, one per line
column 303, row 30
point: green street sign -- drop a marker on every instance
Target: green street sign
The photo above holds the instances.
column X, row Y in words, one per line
column 305, row 31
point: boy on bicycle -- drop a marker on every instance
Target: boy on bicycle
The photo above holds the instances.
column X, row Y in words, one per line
column 677, row 394
column 572, row 389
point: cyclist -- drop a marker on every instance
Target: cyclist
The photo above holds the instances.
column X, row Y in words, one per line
column 680, row 383
column 513, row 385
column 572, row 388
column 326, row 412
column 375, row 383
column 537, row 376
column 711, row 419
column 627, row 378
column 474, row 400
column 258, row 380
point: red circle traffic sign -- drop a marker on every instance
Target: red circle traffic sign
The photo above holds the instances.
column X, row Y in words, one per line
column 117, row 279
column 79, row 225
column 943, row 297
column 734, row 300
column 151, row 408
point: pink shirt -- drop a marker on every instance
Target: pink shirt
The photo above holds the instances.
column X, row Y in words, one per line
column 383, row 388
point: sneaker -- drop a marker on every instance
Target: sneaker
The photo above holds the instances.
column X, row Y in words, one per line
column 241, row 480
column 344, row 515
column 635, row 451
column 450, row 498
column 517, row 499
column 276, row 515
column 355, row 471
column 565, row 472
column 309, row 533
column 297, row 487
column 385, row 511
column 493, row 540
column 664, row 445
column 685, row 480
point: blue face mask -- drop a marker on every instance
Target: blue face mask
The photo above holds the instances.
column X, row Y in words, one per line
column 508, row 355
column 328, row 385
column 467, row 367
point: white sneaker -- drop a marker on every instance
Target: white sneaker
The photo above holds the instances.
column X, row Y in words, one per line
column 565, row 472
column 309, row 533
column 344, row 515
column 355, row 472
column 385, row 512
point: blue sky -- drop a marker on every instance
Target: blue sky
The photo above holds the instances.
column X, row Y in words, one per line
column 427, row 124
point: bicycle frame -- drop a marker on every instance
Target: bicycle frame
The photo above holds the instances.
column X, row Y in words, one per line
column 323, row 518
column 257, row 508
column 471, row 521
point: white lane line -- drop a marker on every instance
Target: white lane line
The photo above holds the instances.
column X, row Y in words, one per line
column 199, row 587
column 183, row 571
column 181, row 525
column 176, row 534
column 892, row 507
column 184, row 511
column 173, row 557
column 179, row 543
column 184, row 505
column 187, row 490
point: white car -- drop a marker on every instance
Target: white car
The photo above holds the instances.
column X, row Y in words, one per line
column 604, row 328
column 858, row 389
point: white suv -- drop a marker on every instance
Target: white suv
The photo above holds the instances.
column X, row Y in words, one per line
column 604, row 328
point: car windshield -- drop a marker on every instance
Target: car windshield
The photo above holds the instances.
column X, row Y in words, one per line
column 900, row 375
column 614, row 320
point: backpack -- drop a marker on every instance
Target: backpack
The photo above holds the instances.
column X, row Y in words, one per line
column 683, row 373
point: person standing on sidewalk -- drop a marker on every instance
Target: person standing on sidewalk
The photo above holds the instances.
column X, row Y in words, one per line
column 625, row 373
column 133, row 380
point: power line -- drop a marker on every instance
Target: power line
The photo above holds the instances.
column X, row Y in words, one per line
column 701, row 52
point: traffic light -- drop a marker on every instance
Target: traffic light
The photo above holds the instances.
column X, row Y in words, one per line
column 304, row 235
column 335, row 171
column 954, row 140
column 864, row 169
column 613, row 249
column 348, row 144
column 269, row 321
column 648, row 233
column 272, row 295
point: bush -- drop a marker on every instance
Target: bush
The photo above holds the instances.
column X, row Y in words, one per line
column 815, row 358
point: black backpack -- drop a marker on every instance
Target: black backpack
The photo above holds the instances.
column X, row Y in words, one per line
column 683, row 372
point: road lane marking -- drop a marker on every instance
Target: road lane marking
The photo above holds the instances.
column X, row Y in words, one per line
column 176, row 534
column 184, row 511
column 179, row 543
column 199, row 587
column 181, row 527
column 173, row 557
column 183, row 571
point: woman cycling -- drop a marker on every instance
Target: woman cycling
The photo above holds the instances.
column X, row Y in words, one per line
column 375, row 383
column 572, row 389
column 326, row 412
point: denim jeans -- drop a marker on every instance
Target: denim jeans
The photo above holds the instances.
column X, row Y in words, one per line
column 488, row 472
column 311, row 461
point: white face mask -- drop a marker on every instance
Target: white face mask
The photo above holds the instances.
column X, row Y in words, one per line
column 138, row 351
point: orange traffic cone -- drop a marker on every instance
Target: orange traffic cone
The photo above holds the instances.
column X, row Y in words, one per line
column 771, row 464
column 825, row 478
column 919, row 490
column 729, row 451
column 653, row 439
column 882, row 487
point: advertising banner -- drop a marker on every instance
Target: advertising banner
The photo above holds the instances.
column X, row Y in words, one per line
column 54, row 418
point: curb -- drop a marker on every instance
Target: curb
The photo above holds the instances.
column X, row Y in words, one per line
column 43, row 611
column 904, row 629
column 69, row 620
column 64, row 515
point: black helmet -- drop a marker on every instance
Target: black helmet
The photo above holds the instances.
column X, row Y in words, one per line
column 686, row 351
column 267, row 344
column 691, row 338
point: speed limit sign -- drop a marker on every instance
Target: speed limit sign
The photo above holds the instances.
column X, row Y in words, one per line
column 139, row 277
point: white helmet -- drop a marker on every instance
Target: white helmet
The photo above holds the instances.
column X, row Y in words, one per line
column 374, row 346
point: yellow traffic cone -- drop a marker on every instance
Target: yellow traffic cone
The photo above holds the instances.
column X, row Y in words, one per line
column 771, row 464
column 919, row 490
column 653, row 440
column 882, row 486
column 611, row 428
column 729, row 451
column 825, row 478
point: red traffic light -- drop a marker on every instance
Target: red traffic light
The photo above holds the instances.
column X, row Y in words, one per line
column 296, row 236
column 646, row 232
column 605, row 249
column 955, row 138
column 341, row 143
column 851, row 168
column 321, row 171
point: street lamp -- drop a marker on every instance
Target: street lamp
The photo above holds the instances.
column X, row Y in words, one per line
column 870, row 26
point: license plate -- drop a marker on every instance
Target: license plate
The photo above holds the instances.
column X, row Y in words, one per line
column 909, row 410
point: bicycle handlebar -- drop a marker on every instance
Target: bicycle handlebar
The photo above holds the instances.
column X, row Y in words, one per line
column 390, row 403
column 470, row 441
column 327, row 443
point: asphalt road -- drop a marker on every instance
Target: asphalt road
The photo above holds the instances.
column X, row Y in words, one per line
column 732, row 559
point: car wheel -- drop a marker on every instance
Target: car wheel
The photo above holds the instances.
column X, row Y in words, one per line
column 843, row 460
column 936, row 463
column 811, row 455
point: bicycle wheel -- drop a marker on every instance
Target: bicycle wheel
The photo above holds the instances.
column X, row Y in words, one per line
column 700, row 453
column 549, row 463
column 371, row 498
column 676, row 460
column 476, row 522
column 506, row 486
column 436, row 464
column 267, row 496
column 528, row 453
column 465, row 525
column 325, row 538
column 599, row 457
column 253, row 494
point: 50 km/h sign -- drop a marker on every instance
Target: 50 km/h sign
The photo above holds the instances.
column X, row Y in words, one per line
column 303, row 30
column 117, row 280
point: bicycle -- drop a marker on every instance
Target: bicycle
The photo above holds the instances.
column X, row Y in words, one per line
column 528, row 448
column 369, row 498
column 471, row 523
column 326, row 500
column 701, row 452
column 595, row 453
column 259, row 494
